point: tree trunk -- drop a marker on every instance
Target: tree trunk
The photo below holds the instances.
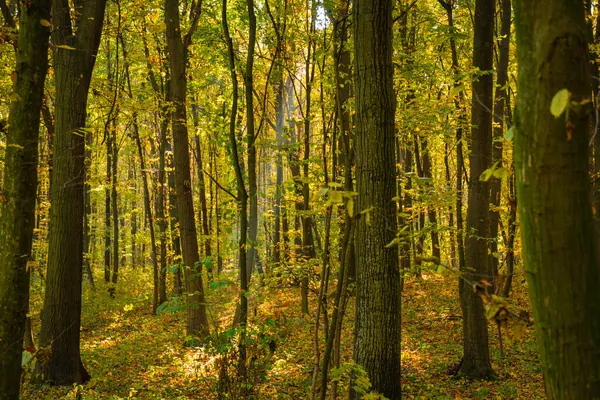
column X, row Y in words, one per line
column 107, row 213
column 114, row 206
column 61, row 313
column 499, row 114
column 197, row 320
column 17, row 210
column 476, row 359
column 553, row 189
column 377, row 334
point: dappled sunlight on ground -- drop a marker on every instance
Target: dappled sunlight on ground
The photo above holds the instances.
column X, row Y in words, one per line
column 132, row 354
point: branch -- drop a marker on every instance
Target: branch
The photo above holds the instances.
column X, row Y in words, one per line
column 219, row 185
column 187, row 39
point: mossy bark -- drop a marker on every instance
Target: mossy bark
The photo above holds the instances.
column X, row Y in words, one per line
column 17, row 203
column 553, row 188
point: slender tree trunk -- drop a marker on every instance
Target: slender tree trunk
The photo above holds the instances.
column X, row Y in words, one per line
column 107, row 213
column 87, row 234
column 61, row 313
column 114, row 206
column 250, row 132
column 17, row 210
column 431, row 213
column 376, row 344
column 241, row 192
column 497, row 149
column 476, row 359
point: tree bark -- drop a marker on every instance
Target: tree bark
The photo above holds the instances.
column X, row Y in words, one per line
column 197, row 320
column 17, row 209
column 476, row 358
column 377, row 334
column 553, row 188
column 497, row 149
column 61, row 313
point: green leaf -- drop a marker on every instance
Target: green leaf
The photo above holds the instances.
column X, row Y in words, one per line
column 486, row 175
column 510, row 134
column 350, row 207
column 501, row 173
column 560, row 101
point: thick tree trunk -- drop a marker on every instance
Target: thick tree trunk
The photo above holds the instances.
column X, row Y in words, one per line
column 553, row 188
column 197, row 320
column 17, row 210
column 476, row 359
column 377, row 335
column 61, row 313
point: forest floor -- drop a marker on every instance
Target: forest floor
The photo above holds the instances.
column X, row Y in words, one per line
column 133, row 354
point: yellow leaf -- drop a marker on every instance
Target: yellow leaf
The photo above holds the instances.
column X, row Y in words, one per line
column 66, row 47
column 45, row 23
column 350, row 208
column 559, row 103
column 335, row 197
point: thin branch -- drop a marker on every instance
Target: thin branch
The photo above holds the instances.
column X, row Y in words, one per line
column 219, row 185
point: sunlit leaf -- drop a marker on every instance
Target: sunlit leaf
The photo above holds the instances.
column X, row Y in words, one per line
column 560, row 101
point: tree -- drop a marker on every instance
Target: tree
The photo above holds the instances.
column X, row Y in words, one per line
column 19, row 188
column 377, row 334
column 75, row 48
column 197, row 319
column 476, row 359
column 553, row 188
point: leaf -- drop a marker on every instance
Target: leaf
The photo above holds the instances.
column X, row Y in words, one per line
column 501, row 173
column 510, row 134
column 45, row 23
column 350, row 208
column 456, row 90
column 560, row 101
column 335, row 197
column 66, row 47
column 486, row 175
column 392, row 243
column 323, row 191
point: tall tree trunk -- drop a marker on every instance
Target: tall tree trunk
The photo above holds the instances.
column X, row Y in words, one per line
column 87, row 232
column 499, row 116
column 160, row 210
column 377, row 344
column 114, row 206
column 61, row 313
column 241, row 192
column 553, row 189
column 476, row 359
column 250, row 137
column 279, row 123
column 197, row 320
column 17, row 210
column 459, row 99
column 431, row 213
column 107, row 213
column 203, row 209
